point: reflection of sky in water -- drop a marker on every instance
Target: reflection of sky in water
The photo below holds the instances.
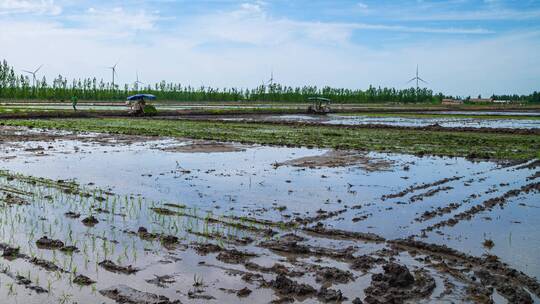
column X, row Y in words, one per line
column 502, row 113
column 247, row 183
column 336, row 119
column 444, row 122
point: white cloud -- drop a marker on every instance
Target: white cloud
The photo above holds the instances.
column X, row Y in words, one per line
column 254, row 8
column 250, row 24
column 118, row 19
column 29, row 7
column 298, row 52
column 362, row 6
column 478, row 15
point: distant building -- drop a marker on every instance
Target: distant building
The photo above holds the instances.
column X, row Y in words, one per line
column 481, row 100
column 450, row 101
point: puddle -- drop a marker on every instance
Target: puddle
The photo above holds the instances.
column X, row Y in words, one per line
column 239, row 199
column 444, row 122
column 358, row 119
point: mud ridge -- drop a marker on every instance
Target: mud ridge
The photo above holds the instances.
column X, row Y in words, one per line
column 488, row 262
column 485, row 206
column 420, row 187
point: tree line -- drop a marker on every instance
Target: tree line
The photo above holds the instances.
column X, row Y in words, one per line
column 531, row 98
column 18, row 86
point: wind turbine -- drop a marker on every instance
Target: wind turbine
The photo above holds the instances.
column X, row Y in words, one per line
column 33, row 73
column 417, row 78
column 137, row 82
column 113, row 68
column 271, row 80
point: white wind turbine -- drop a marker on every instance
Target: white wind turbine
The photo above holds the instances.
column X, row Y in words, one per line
column 113, row 70
column 137, row 82
column 33, row 73
column 417, row 78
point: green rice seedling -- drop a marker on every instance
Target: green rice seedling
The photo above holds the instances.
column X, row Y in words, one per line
column 11, row 289
column 65, row 298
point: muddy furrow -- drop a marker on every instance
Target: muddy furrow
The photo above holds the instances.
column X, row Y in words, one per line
column 412, row 189
column 487, row 205
column 487, row 262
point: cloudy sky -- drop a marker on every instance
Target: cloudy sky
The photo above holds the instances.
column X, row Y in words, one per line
column 463, row 47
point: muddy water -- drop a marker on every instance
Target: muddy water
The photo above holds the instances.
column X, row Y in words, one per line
column 336, row 119
column 385, row 194
column 502, row 113
column 445, row 122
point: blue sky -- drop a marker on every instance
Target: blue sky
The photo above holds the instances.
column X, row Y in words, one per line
column 463, row 47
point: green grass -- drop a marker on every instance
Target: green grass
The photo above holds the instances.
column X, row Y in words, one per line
column 443, row 143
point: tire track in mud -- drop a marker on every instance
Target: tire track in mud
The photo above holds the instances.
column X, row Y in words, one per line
column 486, row 205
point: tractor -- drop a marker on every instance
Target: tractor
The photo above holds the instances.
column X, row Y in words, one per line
column 320, row 105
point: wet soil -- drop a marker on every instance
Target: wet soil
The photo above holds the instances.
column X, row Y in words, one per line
column 112, row 267
column 334, row 159
column 204, row 147
column 171, row 251
column 433, row 127
column 128, row 295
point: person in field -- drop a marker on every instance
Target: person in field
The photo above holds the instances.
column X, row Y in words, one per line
column 74, row 100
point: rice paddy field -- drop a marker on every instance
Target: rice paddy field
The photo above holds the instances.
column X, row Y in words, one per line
column 350, row 207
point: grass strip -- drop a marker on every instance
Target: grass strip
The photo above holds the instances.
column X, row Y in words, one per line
column 442, row 143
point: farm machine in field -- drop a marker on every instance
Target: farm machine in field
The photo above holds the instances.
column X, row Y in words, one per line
column 138, row 106
column 320, row 105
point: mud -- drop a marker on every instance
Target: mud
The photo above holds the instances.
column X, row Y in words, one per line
column 23, row 281
column 128, row 295
column 439, row 211
column 420, row 187
column 485, row 206
column 47, row 265
column 396, row 285
column 233, row 256
column 204, row 147
column 289, row 288
column 112, row 267
column 83, row 280
column 90, row 221
column 162, row 281
column 46, row 243
column 330, row 275
column 327, row 295
column 320, row 229
column 267, row 246
column 365, row 262
column 433, row 127
column 432, row 192
column 487, row 262
column 333, row 159
column 11, row 199
column 276, row 269
column 321, row 216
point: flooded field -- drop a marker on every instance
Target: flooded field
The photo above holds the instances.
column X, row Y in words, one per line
column 449, row 122
column 89, row 217
column 121, row 106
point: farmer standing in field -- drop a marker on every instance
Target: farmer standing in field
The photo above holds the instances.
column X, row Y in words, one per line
column 74, row 102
